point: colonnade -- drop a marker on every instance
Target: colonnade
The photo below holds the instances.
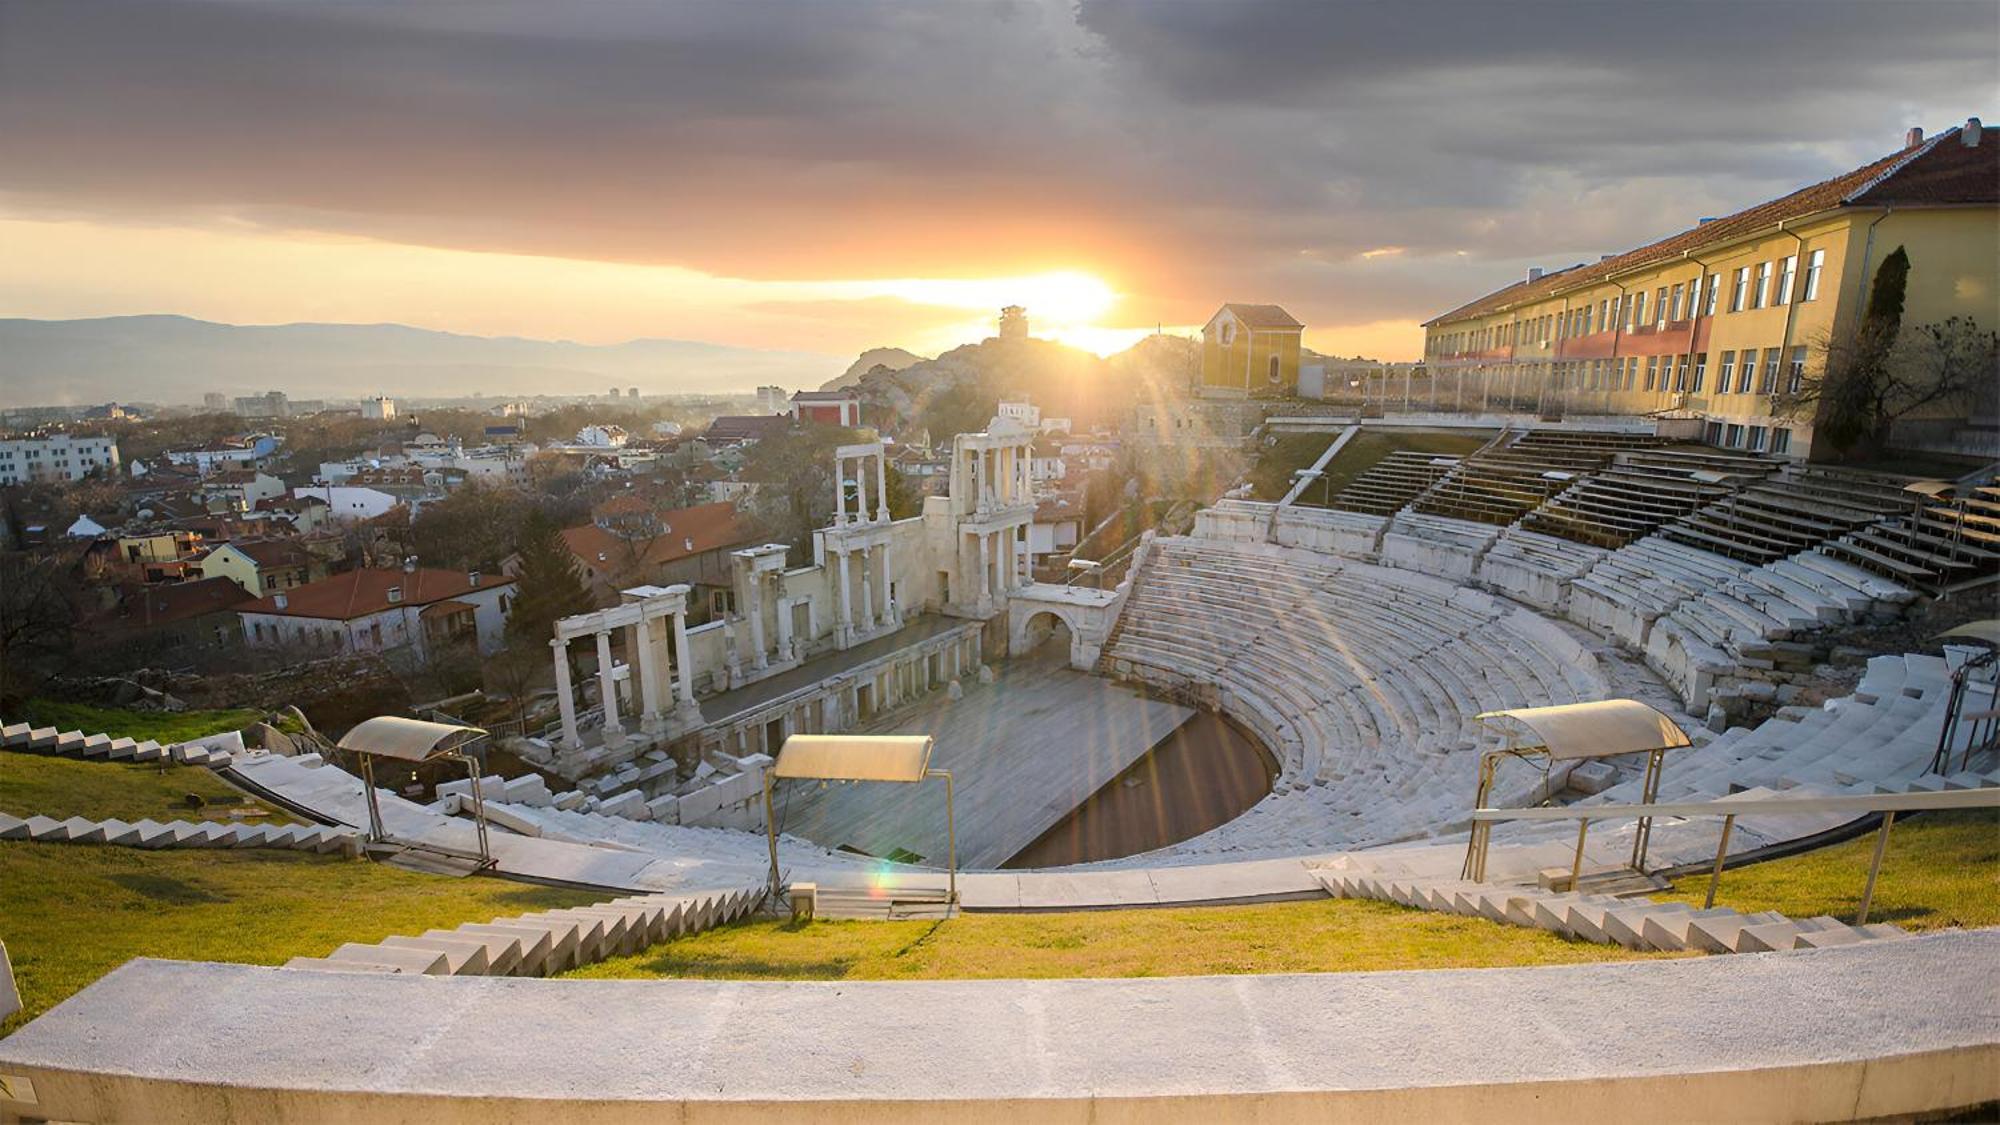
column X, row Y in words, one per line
column 653, row 617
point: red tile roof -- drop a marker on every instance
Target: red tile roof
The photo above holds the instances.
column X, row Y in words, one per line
column 1263, row 316
column 359, row 593
column 1939, row 171
column 146, row 606
column 689, row 531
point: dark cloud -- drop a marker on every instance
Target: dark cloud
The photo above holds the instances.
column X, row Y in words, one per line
column 1192, row 152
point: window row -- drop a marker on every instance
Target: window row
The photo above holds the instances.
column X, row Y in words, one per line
column 1753, row 439
column 1765, row 285
column 1762, row 371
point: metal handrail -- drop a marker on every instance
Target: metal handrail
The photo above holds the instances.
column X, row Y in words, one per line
column 1888, row 804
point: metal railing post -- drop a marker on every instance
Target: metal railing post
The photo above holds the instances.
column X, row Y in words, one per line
column 1875, row 867
column 1576, row 866
column 1721, row 850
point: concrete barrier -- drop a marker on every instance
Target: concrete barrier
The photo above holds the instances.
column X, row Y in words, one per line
column 1908, row 1027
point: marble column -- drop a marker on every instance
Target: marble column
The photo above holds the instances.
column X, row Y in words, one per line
column 867, row 599
column 882, row 486
column 607, row 690
column 756, row 613
column 846, row 600
column 985, row 570
column 683, row 660
column 565, row 700
column 888, row 591
column 784, row 620
column 840, row 492
column 649, row 687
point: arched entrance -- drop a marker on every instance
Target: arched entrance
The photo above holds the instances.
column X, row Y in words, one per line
column 1040, row 632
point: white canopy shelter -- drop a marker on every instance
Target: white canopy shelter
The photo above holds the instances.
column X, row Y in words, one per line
column 1573, row 732
column 898, row 758
column 416, row 741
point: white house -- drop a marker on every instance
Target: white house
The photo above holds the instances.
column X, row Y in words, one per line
column 380, row 408
column 602, row 437
column 422, row 611
column 240, row 490
column 349, row 501
column 57, row 457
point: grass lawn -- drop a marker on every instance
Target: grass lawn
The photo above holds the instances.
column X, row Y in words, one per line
column 34, row 784
column 1942, row 870
column 69, row 913
column 1331, row 935
column 162, row 726
column 1272, row 477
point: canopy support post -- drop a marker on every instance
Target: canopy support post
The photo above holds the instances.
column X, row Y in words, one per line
column 771, row 835
column 1721, row 850
column 1875, row 867
column 376, row 834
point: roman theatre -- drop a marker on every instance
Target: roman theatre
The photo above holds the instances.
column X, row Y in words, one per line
column 1528, row 683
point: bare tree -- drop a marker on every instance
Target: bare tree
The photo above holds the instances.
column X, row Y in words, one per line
column 37, row 611
column 1865, row 388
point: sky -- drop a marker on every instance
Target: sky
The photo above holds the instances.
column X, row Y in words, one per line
column 829, row 177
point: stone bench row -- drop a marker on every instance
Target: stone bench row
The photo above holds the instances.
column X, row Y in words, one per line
column 76, row 744
column 542, row 943
column 181, row 834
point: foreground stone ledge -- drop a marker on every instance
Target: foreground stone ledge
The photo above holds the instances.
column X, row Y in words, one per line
column 1904, row 1027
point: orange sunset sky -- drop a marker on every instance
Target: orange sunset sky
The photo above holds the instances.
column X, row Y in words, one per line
column 830, row 177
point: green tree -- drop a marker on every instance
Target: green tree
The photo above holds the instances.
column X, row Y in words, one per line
column 549, row 584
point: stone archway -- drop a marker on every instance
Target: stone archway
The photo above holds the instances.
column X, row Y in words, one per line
column 1041, row 627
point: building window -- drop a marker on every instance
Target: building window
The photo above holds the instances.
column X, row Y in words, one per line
column 1814, row 261
column 1681, row 373
column 1749, row 371
column 1781, row 440
column 1788, row 271
column 1769, row 384
column 1728, row 370
column 1795, row 379
column 1700, row 372
column 1660, row 307
column 1652, row 370
column 1757, row 439
column 1638, row 309
column 1740, row 298
column 1732, row 436
column 1680, row 302
column 1713, row 435
column 1762, row 295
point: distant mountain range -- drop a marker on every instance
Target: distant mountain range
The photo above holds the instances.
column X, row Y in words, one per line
column 175, row 359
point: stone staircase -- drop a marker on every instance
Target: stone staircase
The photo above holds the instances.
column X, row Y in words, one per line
column 1635, row 923
column 151, row 834
column 76, row 744
column 542, row 943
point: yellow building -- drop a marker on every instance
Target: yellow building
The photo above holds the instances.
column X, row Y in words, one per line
column 1250, row 349
column 1716, row 320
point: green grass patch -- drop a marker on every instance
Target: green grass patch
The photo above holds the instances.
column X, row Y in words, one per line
column 70, row 913
column 161, row 726
column 1942, row 869
column 1272, row 476
column 1319, row 936
column 37, row 785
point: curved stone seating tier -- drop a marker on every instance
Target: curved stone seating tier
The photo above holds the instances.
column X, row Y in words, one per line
column 1362, row 680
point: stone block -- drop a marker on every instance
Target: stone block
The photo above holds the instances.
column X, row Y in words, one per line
column 429, row 962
